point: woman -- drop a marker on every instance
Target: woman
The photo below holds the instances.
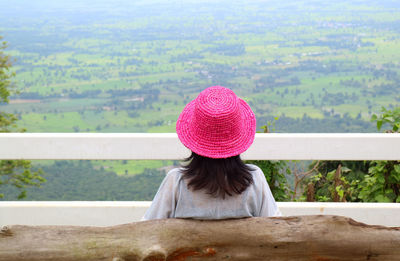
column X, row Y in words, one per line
column 215, row 184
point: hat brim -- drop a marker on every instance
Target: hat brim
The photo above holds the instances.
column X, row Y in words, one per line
column 225, row 148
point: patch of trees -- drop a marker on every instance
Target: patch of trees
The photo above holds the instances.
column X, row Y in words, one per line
column 129, row 74
column 387, row 89
column 134, row 92
column 329, row 124
column 275, row 81
column 343, row 41
column 84, row 94
column 71, row 180
column 34, row 96
column 334, row 99
column 320, row 67
column 148, row 96
column 81, row 76
column 44, row 47
column 228, row 49
column 133, row 61
column 185, row 57
column 351, row 83
column 388, row 74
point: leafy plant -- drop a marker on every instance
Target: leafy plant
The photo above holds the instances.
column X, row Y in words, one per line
column 270, row 126
column 332, row 186
column 367, row 181
column 390, row 117
column 18, row 173
column 15, row 172
column 382, row 183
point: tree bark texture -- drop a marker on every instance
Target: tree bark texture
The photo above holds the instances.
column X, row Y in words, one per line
column 315, row 238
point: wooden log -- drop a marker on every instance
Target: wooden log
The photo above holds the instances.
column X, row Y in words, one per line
column 316, row 238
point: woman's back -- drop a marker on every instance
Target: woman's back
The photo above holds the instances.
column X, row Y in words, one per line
column 175, row 200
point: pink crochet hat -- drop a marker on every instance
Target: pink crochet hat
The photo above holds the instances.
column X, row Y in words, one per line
column 217, row 124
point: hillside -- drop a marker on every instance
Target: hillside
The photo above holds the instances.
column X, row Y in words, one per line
column 132, row 67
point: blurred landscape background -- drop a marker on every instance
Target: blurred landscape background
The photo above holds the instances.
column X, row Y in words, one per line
column 131, row 66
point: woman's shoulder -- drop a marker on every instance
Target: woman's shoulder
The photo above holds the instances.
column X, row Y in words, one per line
column 256, row 171
column 171, row 179
column 175, row 173
column 254, row 168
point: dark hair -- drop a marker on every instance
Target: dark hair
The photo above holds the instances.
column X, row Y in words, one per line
column 218, row 177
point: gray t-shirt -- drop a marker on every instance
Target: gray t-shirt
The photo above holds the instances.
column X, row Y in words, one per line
column 175, row 200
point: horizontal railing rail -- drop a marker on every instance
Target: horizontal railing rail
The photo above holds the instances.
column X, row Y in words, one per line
column 276, row 146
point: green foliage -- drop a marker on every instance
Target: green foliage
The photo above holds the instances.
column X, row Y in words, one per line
column 5, row 74
column 270, row 126
column 7, row 120
column 13, row 172
column 382, row 184
column 389, row 117
column 367, row 181
column 334, row 185
column 18, row 173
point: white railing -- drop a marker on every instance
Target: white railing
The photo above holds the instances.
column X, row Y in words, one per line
column 353, row 146
column 114, row 146
column 109, row 213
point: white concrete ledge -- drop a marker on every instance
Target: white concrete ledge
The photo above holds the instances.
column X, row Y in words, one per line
column 108, row 213
column 385, row 214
